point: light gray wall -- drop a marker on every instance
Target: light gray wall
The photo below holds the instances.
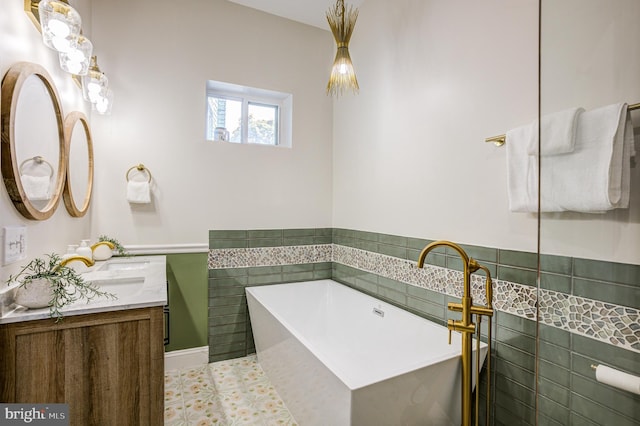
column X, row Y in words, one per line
column 21, row 41
column 436, row 79
column 439, row 77
column 159, row 55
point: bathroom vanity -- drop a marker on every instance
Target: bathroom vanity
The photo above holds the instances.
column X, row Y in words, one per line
column 105, row 358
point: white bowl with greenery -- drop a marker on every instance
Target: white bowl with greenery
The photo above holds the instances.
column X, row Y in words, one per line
column 47, row 283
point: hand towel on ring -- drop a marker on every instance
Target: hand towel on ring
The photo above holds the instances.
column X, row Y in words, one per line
column 138, row 192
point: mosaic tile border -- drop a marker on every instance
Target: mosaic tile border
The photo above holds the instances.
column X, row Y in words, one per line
column 606, row 322
column 613, row 324
column 268, row 256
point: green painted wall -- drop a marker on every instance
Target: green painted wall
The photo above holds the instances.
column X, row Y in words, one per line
column 187, row 275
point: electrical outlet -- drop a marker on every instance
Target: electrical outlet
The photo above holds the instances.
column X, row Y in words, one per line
column 15, row 243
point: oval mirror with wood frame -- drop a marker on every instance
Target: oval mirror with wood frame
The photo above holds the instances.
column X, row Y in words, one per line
column 33, row 162
column 79, row 153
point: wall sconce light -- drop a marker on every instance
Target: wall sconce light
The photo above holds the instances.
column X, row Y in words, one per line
column 61, row 28
column 60, row 25
column 94, row 82
column 104, row 102
column 95, row 88
column 343, row 77
column 76, row 61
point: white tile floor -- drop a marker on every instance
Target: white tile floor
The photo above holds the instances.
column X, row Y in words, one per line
column 233, row 392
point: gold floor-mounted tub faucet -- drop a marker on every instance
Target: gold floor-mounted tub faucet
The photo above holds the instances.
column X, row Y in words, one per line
column 467, row 327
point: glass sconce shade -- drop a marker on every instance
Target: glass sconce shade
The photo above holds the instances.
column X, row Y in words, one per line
column 94, row 82
column 77, row 60
column 60, row 25
column 61, row 28
column 104, row 102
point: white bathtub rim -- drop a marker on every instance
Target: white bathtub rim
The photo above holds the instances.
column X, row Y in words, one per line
column 345, row 376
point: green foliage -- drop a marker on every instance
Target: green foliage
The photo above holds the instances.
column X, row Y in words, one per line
column 260, row 131
column 67, row 285
column 119, row 248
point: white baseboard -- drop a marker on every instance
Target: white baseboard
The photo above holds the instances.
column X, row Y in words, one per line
column 186, row 358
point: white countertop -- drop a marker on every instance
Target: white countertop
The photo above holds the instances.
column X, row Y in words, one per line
column 142, row 285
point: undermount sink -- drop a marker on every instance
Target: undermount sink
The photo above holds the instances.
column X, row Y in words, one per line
column 124, row 265
column 123, row 277
column 120, row 286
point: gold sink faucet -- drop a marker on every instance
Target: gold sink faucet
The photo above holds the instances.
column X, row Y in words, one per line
column 85, row 260
column 465, row 325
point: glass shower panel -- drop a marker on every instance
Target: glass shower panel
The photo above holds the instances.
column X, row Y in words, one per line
column 589, row 280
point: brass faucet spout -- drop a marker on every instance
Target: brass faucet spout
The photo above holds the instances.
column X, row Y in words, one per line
column 425, row 251
column 85, row 260
column 469, row 266
column 103, row 243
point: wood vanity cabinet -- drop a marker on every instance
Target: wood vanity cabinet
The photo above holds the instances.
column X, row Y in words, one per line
column 109, row 366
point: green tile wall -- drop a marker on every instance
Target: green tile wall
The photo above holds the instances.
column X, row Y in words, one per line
column 568, row 392
column 229, row 327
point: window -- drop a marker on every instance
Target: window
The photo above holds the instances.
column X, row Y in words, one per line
column 242, row 114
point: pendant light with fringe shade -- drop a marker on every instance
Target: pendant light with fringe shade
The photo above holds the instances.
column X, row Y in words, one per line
column 342, row 20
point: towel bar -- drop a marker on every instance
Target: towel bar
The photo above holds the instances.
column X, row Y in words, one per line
column 141, row 168
column 501, row 139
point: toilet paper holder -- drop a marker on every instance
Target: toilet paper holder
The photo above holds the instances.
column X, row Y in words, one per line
column 618, row 379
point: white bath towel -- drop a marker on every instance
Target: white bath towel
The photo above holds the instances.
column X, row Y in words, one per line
column 557, row 133
column 138, row 192
column 595, row 177
column 629, row 152
column 522, row 190
column 36, row 188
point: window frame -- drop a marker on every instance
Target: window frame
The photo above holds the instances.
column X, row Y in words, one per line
column 246, row 103
column 255, row 96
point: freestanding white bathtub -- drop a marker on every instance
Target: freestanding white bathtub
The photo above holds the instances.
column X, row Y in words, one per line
column 339, row 357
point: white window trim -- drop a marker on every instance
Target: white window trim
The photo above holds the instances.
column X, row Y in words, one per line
column 247, row 95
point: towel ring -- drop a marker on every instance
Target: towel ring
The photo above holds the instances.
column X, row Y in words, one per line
column 38, row 160
column 141, row 168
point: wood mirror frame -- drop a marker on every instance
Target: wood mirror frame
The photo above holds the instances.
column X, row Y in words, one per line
column 69, row 200
column 12, row 83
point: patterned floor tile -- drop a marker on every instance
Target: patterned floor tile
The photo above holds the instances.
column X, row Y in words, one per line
column 232, row 392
